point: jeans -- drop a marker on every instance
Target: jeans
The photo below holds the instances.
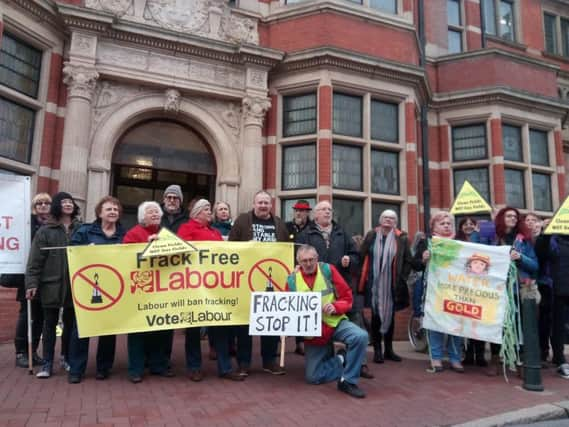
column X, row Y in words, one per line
column 79, row 353
column 50, row 320
column 150, row 344
column 221, row 337
column 193, row 349
column 21, row 339
column 323, row 366
column 560, row 305
column 436, row 346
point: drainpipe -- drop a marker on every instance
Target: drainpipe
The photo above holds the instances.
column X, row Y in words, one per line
column 482, row 25
column 424, row 121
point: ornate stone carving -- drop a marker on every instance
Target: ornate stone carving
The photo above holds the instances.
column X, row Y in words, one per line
column 227, row 113
column 80, row 80
column 254, row 109
column 118, row 7
column 172, row 102
column 257, row 78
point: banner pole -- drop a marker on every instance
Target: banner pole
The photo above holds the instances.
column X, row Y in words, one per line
column 30, row 355
column 283, row 343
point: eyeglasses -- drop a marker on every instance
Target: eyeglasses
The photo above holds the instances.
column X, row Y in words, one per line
column 511, row 216
column 42, row 203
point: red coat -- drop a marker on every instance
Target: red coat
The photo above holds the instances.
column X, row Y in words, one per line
column 140, row 234
column 196, row 231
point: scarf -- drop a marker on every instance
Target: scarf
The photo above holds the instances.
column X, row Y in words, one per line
column 381, row 293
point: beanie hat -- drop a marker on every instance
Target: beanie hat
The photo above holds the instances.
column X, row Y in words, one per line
column 176, row 190
column 199, row 206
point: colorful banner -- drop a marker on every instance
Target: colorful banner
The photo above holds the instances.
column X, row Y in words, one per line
column 560, row 222
column 469, row 201
column 14, row 223
column 116, row 290
column 466, row 289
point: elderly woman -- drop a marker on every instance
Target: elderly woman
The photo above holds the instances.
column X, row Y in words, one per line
column 47, row 273
column 149, row 344
column 442, row 225
column 222, row 218
column 387, row 264
column 198, row 228
column 105, row 230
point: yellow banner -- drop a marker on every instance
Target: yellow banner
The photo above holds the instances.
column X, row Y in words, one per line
column 116, row 290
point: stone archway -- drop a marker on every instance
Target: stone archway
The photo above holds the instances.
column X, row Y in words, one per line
column 156, row 105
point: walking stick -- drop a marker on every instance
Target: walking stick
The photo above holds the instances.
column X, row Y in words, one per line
column 30, row 357
column 281, row 360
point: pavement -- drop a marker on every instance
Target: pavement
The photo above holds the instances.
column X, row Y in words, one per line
column 402, row 394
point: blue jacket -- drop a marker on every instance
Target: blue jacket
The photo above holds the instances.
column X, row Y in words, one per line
column 528, row 266
column 93, row 233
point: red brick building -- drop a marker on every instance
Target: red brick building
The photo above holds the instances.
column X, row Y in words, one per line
column 320, row 100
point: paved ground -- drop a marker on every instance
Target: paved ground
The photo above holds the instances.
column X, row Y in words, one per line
column 402, row 394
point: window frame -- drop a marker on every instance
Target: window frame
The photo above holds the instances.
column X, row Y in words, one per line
column 304, row 144
column 496, row 18
column 362, row 113
column 454, row 28
column 452, row 141
column 351, row 146
column 284, row 112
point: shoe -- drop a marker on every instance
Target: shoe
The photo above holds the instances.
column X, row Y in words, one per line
column 457, row 367
column 563, row 371
column 196, row 376
column 135, row 379
column 73, row 379
column 244, row 372
column 351, row 389
column 63, row 364
column 366, row 373
column 37, row 361
column 232, row 376
column 391, row 355
column 102, row 375
column 437, row 366
column 377, row 354
column 343, row 355
column 299, row 350
column 22, row 360
column 273, row 368
column 45, row 371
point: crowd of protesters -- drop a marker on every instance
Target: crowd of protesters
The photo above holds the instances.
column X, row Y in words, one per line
column 369, row 277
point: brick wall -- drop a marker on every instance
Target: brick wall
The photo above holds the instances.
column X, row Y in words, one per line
column 8, row 311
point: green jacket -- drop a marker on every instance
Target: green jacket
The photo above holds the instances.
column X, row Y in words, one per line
column 47, row 270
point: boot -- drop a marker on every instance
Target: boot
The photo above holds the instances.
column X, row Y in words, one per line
column 469, row 354
column 494, row 366
column 389, row 353
column 377, row 353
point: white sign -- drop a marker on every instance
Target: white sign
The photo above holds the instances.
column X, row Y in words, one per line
column 286, row 313
column 14, row 223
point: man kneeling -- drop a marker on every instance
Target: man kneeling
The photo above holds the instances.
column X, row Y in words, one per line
column 322, row 365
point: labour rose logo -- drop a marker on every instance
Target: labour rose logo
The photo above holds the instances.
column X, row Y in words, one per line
column 141, row 280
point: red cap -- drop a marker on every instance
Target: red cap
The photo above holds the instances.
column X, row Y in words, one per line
column 302, row 205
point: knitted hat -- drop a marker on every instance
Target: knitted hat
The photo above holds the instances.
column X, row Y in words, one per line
column 199, row 206
column 176, row 190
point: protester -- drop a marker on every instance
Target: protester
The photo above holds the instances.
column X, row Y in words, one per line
column 47, row 273
column 41, row 203
column 259, row 225
column 322, row 365
column 442, row 225
column 174, row 213
column 386, row 266
column 475, row 349
column 146, row 344
column 105, row 230
column 222, row 221
column 512, row 231
column 559, row 255
column 417, row 276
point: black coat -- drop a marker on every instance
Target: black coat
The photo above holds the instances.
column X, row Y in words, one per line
column 559, row 256
column 340, row 244
column 177, row 220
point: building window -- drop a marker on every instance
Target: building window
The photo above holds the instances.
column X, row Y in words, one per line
column 347, row 167
column 349, row 213
column 389, row 6
column 299, row 115
column 478, row 177
column 499, row 18
column 541, row 192
column 469, row 143
column 378, row 207
column 512, row 141
column 564, row 24
column 347, row 115
column 454, row 26
column 384, row 172
column 514, row 180
column 384, row 121
column 539, row 152
column 299, row 167
column 550, row 31
column 287, row 204
column 16, row 131
column 20, row 66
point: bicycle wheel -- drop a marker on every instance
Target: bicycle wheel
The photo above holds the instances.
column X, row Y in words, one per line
column 417, row 335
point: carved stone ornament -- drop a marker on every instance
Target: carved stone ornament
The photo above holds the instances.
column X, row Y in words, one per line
column 254, row 109
column 172, row 102
column 207, row 18
column 80, row 80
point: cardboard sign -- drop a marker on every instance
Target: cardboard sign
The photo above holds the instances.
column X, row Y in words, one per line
column 286, row 313
column 560, row 222
column 469, row 201
column 167, row 244
column 14, row 223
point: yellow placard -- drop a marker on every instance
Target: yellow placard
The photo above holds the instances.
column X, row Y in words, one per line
column 469, row 201
column 560, row 222
column 167, row 243
column 118, row 290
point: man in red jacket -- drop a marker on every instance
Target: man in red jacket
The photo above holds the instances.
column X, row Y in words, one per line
column 322, row 365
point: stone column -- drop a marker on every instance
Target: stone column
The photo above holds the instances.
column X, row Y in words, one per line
column 80, row 81
column 254, row 109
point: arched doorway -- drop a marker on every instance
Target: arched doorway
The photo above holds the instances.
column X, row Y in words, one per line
column 154, row 154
